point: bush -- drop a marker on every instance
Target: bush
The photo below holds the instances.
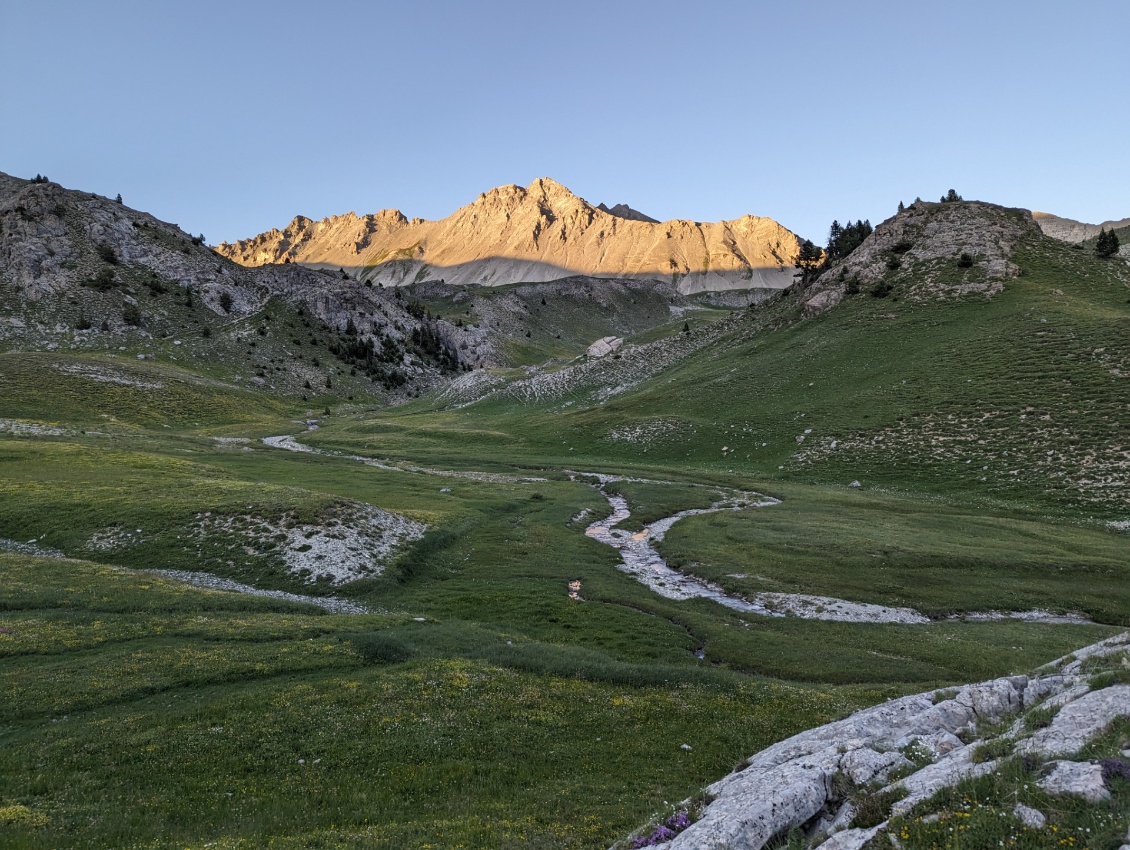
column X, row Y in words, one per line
column 379, row 648
column 893, row 264
column 902, row 246
column 881, row 290
column 225, row 302
column 965, row 260
column 206, row 332
column 102, row 281
column 131, row 315
column 107, row 253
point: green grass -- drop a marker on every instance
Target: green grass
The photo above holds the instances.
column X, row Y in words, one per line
column 479, row 706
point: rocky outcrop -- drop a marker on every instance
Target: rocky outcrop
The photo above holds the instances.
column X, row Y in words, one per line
column 799, row 781
column 1069, row 230
column 625, row 211
column 541, row 232
column 935, row 250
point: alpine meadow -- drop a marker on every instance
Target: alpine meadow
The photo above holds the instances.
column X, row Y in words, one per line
column 552, row 525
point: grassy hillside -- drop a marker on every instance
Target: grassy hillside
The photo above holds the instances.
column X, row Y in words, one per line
column 476, row 704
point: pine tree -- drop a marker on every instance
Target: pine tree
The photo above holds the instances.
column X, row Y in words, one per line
column 1107, row 244
column 901, row 207
column 808, row 260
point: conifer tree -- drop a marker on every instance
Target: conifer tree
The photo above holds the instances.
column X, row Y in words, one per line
column 1107, row 244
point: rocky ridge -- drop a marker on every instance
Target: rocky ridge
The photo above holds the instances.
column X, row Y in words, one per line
column 537, row 233
column 1069, row 230
column 907, row 749
column 944, row 250
column 74, row 266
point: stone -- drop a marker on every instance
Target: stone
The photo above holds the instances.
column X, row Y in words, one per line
column 1078, row 778
column 850, row 839
column 822, row 302
column 760, row 804
column 1031, row 818
column 855, row 484
column 605, row 346
column 865, row 765
column 1079, row 721
column 947, row 771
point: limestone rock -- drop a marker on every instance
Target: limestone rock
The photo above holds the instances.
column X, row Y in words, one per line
column 927, row 236
column 850, row 839
column 540, row 232
column 947, row 771
column 865, row 765
column 1069, row 230
column 1031, row 818
column 761, row 804
column 1079, row 721
column 822, row 302
column 1082, row 779
column 605, row 346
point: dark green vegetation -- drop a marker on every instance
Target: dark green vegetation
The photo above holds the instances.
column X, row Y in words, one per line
column 477, row 705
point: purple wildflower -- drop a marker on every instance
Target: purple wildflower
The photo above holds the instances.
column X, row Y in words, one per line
column 1115, row 767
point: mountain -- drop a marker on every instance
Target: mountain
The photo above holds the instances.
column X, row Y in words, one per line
column 539, row 233
column 625, row 211
column 957, row 350
column 1069, row 230
column 82, row 273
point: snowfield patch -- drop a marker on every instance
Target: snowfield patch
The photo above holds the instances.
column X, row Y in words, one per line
column 353, row 541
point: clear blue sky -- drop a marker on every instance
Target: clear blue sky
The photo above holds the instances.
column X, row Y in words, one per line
column 232, row 117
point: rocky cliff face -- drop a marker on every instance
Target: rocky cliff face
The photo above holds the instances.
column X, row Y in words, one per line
column 538, row 233
column 1069, row 230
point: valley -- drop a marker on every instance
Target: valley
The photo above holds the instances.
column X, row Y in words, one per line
column 485, row 627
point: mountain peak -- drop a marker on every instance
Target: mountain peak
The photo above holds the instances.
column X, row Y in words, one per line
column 540, row 232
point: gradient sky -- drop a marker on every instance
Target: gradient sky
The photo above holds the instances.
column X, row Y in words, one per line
column 230, row 118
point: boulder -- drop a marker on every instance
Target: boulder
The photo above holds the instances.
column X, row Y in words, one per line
column 1079, row 778
column 822, row 302
column 605, row 346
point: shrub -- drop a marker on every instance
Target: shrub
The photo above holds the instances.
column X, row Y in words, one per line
column 102, row 281
column 965, row 260
column 379, row 648
column 902, row 246
column 206, row 332
column 83, row 323
column 131, row 315
column 107, row 253
column 881, row 290
column 225, row 302
column 893, row 264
